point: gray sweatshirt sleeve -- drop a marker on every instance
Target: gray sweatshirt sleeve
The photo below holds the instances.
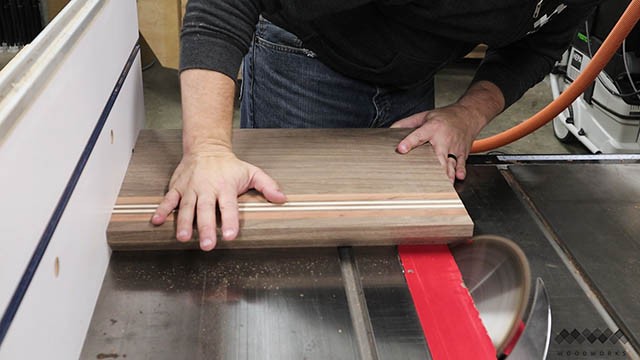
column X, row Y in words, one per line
column 216, row 34
column 518, row 66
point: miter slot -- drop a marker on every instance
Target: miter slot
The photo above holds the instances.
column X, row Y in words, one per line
column 357, row 305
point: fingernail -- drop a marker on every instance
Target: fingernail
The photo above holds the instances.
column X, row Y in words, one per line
column 206, row 243
column 183, row 234
column 228, row 233
column 155, row 217
column 402, row 148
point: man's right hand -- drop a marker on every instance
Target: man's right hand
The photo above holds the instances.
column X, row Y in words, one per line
column 204, row 179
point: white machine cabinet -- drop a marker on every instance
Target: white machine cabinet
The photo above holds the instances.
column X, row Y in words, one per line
column 70, row 109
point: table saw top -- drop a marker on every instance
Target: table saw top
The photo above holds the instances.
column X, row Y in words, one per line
column 575, row 220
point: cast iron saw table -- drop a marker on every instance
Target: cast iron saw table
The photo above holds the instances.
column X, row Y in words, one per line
column 577, row 218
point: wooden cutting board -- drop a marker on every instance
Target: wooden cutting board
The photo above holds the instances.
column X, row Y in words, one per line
column 344, row 187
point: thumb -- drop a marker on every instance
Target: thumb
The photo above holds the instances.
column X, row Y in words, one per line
column 268, row 187
column 412, row 121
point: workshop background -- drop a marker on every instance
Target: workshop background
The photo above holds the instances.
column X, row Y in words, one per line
column 573, row 217
column 160, row 23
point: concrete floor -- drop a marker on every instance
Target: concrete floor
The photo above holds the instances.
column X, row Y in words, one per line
column 162, row 103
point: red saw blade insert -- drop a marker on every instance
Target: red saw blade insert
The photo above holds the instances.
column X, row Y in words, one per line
column 450, row 321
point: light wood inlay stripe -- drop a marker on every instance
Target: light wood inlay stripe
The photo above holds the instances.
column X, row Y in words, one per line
column 317, row 203
column 312, row 208
column 316, row 206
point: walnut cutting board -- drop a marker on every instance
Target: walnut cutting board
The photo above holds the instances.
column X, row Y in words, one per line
column 344, row 187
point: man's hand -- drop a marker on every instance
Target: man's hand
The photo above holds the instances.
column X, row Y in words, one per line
column 204, row 179
column 209, row 173
column 452, row 129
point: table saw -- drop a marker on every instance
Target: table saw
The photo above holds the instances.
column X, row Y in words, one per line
column 66, row 295
column 574, row 217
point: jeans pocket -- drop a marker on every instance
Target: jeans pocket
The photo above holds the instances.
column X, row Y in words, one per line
column 279, row 39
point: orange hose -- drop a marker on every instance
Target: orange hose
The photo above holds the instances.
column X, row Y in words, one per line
column 600, row 59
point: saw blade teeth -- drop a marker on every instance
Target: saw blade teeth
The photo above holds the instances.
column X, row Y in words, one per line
column 497, row 274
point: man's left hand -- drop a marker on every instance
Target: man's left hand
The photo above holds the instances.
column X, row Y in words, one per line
column 450, row 130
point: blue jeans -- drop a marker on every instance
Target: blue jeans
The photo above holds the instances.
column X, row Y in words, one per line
column 285, row 86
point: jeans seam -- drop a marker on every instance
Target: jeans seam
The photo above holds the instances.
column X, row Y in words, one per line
column 374, row 100
column 252, row 69
column 382, row 105
column 285, row 48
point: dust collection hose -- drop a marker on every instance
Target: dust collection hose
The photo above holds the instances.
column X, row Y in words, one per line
column 600, row 59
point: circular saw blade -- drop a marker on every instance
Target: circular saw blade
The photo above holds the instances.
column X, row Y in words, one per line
column 497, row 274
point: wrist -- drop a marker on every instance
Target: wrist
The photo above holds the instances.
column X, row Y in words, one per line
column 476, row 120
column 483, row 101
column 193, row 146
